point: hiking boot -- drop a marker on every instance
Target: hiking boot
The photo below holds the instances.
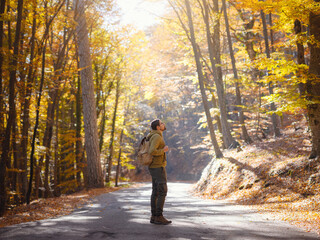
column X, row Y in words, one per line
column 152, row 219
column 161, row 220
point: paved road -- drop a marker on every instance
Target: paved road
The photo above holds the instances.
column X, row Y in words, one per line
column 125, row 215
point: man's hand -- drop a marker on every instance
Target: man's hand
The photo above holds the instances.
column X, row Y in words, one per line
column 166, row 149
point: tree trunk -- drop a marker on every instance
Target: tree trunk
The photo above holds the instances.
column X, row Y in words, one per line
column 274, row 118
column 36, row 124
column 103, row 125
column 26, row 107
column 313, row 85
column 52, row 103
column 13, row 162
column 104, row 116
column 79, row 145
column 121, row 140
column 201, row 83
column 215, row 59
column 249, row 43
column 16, row 163
column 48, row 136
column 300, row 53
column 54, row 98
column 245, row 134
column 2, row 162
column 119, row 161
column 95, row 178
column 9, row 29
column 214, row 105
column 56, row 182
column 2, row 10
column 99, row 78
column 108, row 178
column 79, row 149
column 12, row 82
column 271, row 32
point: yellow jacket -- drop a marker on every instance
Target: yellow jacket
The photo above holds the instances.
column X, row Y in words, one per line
column 156, row 149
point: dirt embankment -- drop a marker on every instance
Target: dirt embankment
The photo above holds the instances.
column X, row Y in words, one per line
column 275, row 176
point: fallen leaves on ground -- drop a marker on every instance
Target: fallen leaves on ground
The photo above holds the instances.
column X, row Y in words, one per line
column 272, row 176
column 51, row 207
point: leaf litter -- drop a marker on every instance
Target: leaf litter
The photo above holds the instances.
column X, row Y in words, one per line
column 272, row 176
column 45, row 208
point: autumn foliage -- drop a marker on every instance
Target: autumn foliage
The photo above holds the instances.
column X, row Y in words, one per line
column 221, row 74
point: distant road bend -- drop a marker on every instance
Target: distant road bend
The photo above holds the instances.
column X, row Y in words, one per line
column 125, row 214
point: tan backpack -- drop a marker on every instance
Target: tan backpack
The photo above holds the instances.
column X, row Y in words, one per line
column 144, row 158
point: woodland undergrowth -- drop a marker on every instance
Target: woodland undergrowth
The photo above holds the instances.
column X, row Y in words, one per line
column 274, row 176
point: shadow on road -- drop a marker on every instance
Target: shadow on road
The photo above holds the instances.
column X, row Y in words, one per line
column 125, row 215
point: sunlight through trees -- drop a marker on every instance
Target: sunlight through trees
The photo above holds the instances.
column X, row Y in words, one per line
column 78, row 89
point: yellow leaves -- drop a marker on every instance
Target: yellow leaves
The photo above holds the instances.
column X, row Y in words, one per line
column 278, row 65
column 148, row 95
column 281, row 71
column 313, row 41
column 286, row 10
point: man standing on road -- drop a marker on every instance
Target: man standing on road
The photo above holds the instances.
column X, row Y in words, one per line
column 158, row 172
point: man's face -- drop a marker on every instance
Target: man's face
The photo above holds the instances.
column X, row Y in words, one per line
column 162, row 126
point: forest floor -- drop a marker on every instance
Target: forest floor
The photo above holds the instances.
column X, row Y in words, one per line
column 274, row 176
column 53, row 207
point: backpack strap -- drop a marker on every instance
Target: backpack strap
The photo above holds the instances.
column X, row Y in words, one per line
column 148, row 138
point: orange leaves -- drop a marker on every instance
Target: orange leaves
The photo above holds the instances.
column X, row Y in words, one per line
column 51, row 207
column 272, row 176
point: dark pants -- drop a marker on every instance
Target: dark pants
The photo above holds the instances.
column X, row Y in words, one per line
column 159, row 190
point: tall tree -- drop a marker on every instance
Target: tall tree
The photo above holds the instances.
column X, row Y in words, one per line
column 79, row 149
column 201, row 82
column 274, row 118
column 35, row 130
column 121, row 142
column 213, row 41
column 2, row 162
column 245, row 134
column 95, row 178
column 313, row 84
column 26, row 106
column 113, row 128
column 2, row 10
column 300, row 50
column 53, row 102
column 11, row 118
